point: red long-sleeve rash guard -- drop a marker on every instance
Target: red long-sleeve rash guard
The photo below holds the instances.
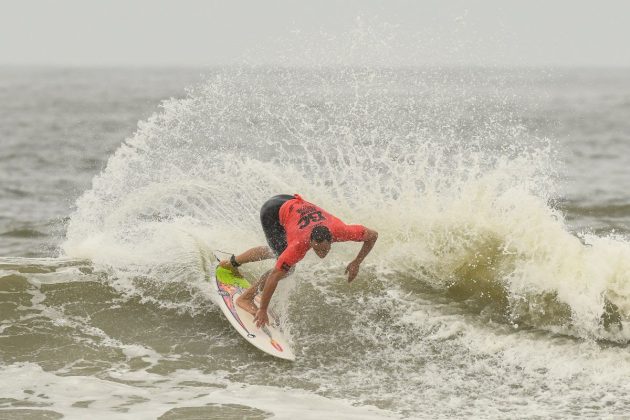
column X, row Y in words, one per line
column 299, row 217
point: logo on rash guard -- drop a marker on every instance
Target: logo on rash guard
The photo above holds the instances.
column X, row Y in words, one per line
column 285, row 266
column 309, row 214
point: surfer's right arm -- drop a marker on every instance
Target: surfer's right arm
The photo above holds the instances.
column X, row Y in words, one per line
column 271, row 283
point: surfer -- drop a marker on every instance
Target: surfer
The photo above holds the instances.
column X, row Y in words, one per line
column 292, row 226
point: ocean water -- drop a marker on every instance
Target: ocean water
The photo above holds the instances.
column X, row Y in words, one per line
column 499, row 286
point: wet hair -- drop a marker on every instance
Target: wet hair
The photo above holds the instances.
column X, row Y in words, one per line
column 320, row 234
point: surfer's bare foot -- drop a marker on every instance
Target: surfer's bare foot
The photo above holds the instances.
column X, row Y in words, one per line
column 247, row 305
column 228, row 265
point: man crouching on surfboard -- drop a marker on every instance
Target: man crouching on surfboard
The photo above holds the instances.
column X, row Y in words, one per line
column 292, row 226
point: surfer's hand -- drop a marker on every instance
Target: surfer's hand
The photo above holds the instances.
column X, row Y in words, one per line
column 261, row 318
column 352, row 270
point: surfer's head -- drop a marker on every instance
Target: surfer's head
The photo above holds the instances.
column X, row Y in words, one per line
column 320, row 240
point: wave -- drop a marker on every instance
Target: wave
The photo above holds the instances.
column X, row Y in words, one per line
column 24, row 232
column 437, row 161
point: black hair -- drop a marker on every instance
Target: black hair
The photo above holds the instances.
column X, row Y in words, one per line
column 320, row 234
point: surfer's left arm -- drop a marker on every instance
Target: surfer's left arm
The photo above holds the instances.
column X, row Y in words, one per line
column 271, row 283
column 368, row 243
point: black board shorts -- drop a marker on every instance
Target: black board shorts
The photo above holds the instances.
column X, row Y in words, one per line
column 270, row 221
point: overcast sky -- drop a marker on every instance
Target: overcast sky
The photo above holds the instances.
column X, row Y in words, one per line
column 195, row 32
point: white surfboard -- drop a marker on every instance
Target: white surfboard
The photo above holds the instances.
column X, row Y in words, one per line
column 226, row 288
